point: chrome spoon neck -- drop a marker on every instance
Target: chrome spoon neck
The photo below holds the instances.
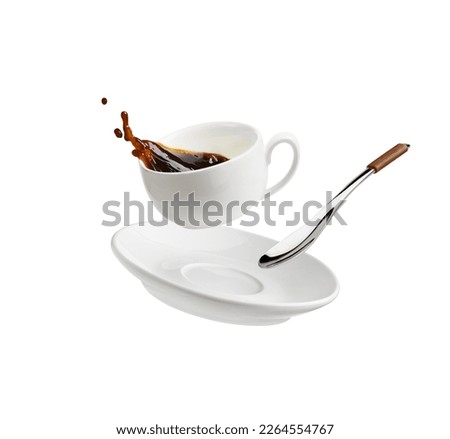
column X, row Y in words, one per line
column 344, row 193
column 302, row 239
column 299, row 241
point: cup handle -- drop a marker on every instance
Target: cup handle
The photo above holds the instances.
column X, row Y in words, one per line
column 273, row 142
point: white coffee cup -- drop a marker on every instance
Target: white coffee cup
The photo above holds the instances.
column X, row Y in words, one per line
column 222, row 189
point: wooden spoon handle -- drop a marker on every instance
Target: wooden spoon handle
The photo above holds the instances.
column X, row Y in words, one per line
column 388, row 157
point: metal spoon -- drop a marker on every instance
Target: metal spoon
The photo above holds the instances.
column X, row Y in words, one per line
column 299, row 241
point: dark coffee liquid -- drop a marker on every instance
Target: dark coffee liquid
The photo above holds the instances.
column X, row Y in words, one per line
column 161, row 158
column 104, row 101
column 118, row 133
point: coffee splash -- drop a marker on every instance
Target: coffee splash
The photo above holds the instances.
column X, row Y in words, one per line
column 104, row 101
column 162, row 158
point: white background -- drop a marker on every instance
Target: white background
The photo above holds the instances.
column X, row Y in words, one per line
column 84, row 348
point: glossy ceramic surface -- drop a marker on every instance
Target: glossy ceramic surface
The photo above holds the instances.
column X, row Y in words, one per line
column 214, row 273
column 241, row 179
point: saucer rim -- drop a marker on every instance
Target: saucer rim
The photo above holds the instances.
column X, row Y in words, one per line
column 294, row 306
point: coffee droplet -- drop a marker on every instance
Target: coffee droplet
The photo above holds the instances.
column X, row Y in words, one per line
column 118, row 133
column 162, row 158
column 104, row 101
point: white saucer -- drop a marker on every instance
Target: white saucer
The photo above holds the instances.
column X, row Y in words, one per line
column 214, row 273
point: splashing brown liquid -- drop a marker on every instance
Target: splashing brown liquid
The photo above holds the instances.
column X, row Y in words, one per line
column 104, row 101
column 159, row 157
column 118, row 133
